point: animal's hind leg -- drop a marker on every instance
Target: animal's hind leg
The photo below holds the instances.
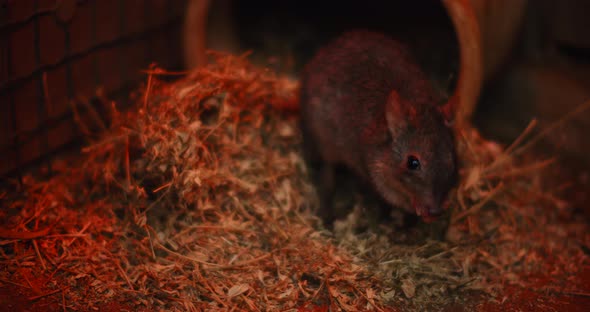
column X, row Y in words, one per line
column 311, row 154
column 326, row 189
column 321, row 174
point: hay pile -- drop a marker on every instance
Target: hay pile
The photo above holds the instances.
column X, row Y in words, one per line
column 199, row 200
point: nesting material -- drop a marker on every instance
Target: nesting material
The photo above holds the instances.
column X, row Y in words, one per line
column 198, row 199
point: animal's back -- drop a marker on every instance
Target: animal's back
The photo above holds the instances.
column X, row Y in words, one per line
column 344, row 89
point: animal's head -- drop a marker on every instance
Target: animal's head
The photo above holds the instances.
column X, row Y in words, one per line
column 417, row 166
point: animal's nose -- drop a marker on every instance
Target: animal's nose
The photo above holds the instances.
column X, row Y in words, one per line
column 435, row 210
column 429, row 207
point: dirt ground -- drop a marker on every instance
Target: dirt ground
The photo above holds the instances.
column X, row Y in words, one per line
column 12, row 298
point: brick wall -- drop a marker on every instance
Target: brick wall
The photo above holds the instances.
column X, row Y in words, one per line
column 54, row 52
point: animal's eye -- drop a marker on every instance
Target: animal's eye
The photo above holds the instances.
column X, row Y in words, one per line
column 413, row 163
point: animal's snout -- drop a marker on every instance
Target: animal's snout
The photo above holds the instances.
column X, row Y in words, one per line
column 426, row 210
column 429, row 210
column 430, row 213
column 435, row 210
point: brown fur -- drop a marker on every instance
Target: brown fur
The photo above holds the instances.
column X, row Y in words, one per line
column 366, row 104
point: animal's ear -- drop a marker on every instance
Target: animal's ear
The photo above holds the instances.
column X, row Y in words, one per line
column 399, row 113
column 448, row 111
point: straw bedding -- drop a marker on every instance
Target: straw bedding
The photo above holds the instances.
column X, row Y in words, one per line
column 198, row 199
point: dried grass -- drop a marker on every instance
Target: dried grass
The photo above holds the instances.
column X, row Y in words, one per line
column 199, row 200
